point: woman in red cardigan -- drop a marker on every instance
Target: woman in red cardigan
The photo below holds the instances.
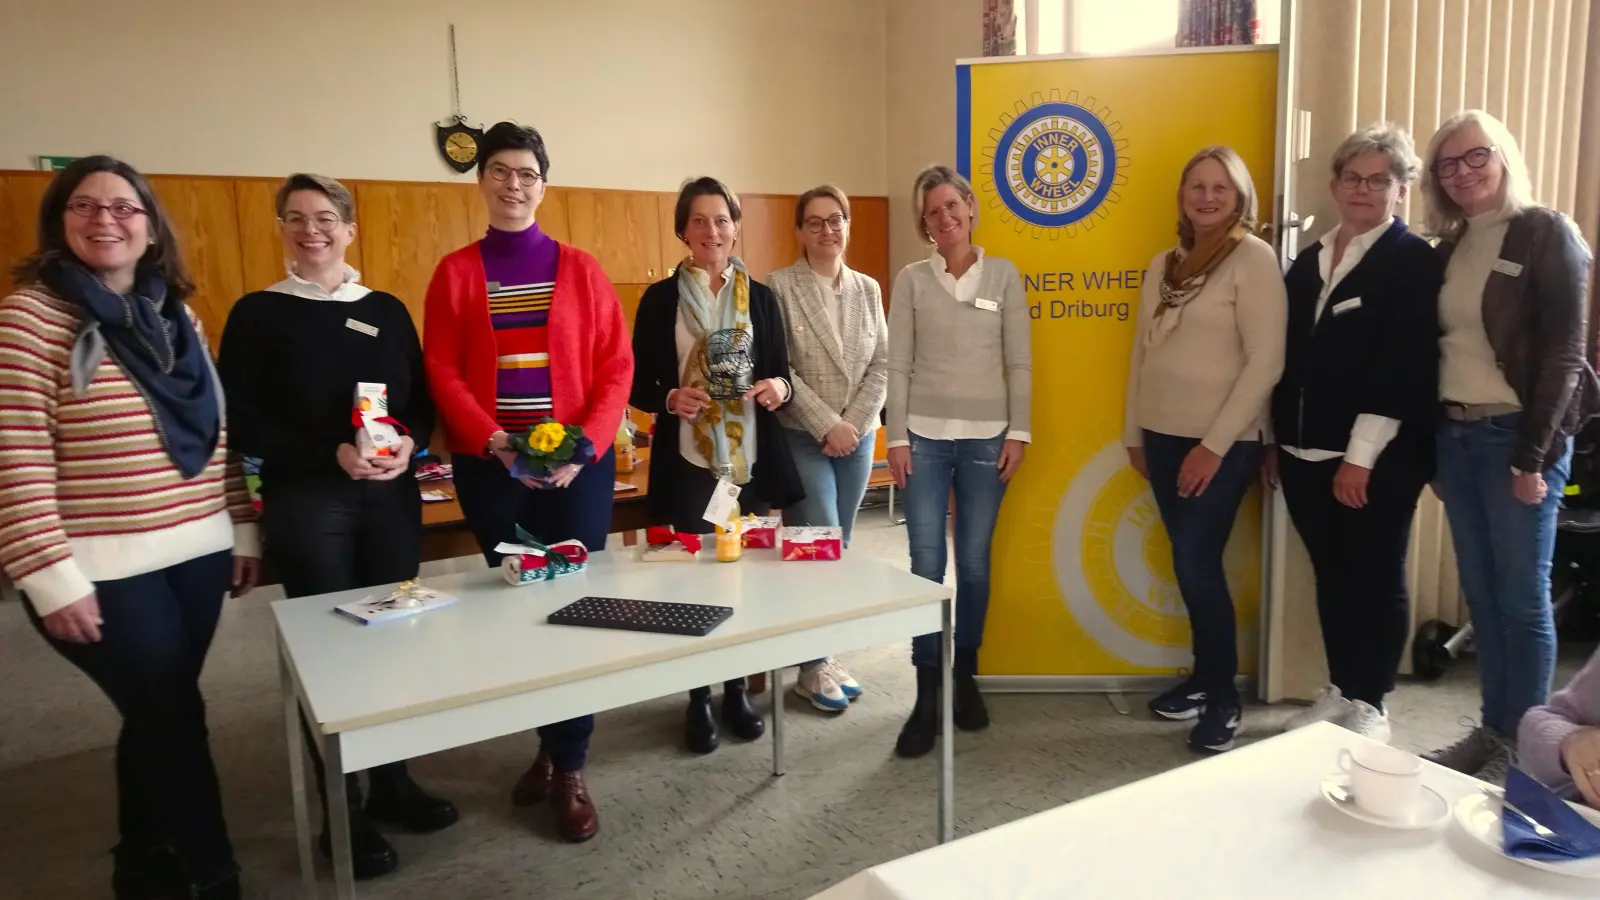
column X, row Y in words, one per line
column 519, row 327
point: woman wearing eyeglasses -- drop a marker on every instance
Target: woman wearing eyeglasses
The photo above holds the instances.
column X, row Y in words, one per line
column 1516, row 384
column 839, row 366
column 1355, row 414
column 518, row 327
column 960, row 377
column 333, row 521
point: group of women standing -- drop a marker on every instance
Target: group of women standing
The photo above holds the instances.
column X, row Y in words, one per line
column 1462, row 365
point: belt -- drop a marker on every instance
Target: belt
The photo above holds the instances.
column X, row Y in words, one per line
column 1473, row 412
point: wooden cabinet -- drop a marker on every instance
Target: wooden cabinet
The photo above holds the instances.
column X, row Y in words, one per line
column 869, row 240
column 672, row 250
column 205, row 217
column 406, row 229
column 767, row 241
column 620, row 228
column 20, row 193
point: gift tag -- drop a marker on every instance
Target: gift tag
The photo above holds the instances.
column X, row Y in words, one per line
column 989, row 305
column 724, row 502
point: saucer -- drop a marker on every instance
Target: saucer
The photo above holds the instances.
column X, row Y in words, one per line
column 1431, row 811
column 1478, row 814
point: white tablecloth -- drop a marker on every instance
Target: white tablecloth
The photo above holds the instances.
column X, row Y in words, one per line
column 1249, row 823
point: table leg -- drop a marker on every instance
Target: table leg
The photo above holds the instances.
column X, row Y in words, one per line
column 777, row 721
column 297, row 777
column 947, row 742
column 338, row 818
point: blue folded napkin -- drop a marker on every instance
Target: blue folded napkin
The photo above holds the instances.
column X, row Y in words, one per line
column 1571, row 835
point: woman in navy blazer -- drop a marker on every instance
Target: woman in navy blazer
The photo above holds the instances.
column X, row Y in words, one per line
column 1355, row 415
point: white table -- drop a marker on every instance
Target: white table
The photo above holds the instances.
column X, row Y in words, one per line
column 490, row 665
column 1249, row 823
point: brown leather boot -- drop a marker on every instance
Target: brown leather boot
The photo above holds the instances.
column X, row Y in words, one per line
column 576, row 819
column 534, row 785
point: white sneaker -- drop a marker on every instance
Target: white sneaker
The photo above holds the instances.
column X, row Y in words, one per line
column 1330, row 706
column 818, row 686
column 1368, row 721
column 841, row 677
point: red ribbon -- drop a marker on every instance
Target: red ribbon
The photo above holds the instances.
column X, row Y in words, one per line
column 357, row 421
column 660, row 536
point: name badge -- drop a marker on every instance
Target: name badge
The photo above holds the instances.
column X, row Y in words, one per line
column 362, row 327
column 1507, row 267
column 989, row 305
column 723, row 502
column 1344, row 306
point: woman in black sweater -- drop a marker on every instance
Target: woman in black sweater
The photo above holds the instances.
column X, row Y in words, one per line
column 710, row 348
column 332, row 521
column 1355, row 414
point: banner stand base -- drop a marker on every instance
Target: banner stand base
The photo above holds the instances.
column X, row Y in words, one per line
column 1087, row 684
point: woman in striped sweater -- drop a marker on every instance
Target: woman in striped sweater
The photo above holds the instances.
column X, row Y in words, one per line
column 122, row 519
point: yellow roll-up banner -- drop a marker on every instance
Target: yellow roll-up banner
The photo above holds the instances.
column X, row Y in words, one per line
column 1076, row 165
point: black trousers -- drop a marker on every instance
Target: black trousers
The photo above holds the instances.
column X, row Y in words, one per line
column 495, row 505
column 327, row 533
column 1359, row 557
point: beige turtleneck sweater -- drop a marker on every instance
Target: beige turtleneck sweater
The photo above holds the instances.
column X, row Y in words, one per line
column 1468, row 371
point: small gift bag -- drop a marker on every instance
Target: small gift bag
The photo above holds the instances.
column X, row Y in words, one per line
column 662, row 544
column 812, row 542
column 377, row 432
column 529, row 561
column 760, row 532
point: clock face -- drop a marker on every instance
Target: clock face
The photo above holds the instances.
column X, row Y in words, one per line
column 461, row 147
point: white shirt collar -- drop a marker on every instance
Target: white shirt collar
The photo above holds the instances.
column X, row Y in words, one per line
column 349, row 290
column 1364, row 240
column 940, row 268
column 704, row 277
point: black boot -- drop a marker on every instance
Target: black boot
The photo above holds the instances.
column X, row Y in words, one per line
column 371, row 855
column 970, row 713
column 147, row 874
column 396, row 799
column 739, row 714
column 700, row 732
column 921, row 730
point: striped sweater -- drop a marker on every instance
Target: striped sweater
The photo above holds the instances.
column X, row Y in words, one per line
column 87, row 493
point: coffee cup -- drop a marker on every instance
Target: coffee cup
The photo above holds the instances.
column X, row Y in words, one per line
column 1384, row 781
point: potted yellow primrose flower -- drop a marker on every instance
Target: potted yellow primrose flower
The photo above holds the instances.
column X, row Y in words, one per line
column 547, row 446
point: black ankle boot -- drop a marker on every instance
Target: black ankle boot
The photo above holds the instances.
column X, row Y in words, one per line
column 739, row 714
column 148, row 874
column 371, row 855
column 395, row 798
column 921, row 730
column 700, row 732
column 970, row 712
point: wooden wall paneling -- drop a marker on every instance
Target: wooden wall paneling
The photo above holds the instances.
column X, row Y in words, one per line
column 261, row 249
column 20, row 193
column 672, row 250
column 553, row 216
column 869, row 240
column 768, row 240
column 205, row 217
column 408, row 228
column 620, row 229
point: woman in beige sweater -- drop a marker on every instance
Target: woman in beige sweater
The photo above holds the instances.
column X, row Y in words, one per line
column 1208, row 350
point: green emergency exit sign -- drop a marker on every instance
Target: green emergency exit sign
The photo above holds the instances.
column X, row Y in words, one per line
column 54, row 163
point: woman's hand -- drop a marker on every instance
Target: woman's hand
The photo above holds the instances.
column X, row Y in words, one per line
column 687, row 402
column 1580, row 751
column 391, row 467
column 841, row 440
column 246, row 574
column 768, row 392
column 1269, row 467
column 1010, row 458
column 1350, row 485
column 78, row 622
column 562, row 476
column 1137, row 463
column 351, row 461
column 1199, row 467
column 1529, row 488
column 900, row 465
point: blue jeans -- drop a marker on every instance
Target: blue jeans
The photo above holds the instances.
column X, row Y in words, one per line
column 1503, row 550
column 1198, row 528
column 834, row 485
column 971, row 468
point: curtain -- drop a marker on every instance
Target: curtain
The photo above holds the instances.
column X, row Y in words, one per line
column 999, row 28
column 1217, row 23
column 1416, row 63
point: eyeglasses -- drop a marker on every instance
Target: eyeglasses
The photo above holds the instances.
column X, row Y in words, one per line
column 525, row 177
column 88, row 209
column 1476, row 158
column 835, row 222
column 1376, row 183
column 951, row 209
column 325, row 221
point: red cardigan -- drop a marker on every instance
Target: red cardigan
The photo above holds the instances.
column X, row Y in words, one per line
column 591, row 357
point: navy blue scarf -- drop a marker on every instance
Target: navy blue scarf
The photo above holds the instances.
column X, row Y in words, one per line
column 157, row 347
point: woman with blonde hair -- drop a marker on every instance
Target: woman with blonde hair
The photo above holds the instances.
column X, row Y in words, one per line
column 1206, row 354
column 1516, row 384
column 960, row 381
column 839, row 367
